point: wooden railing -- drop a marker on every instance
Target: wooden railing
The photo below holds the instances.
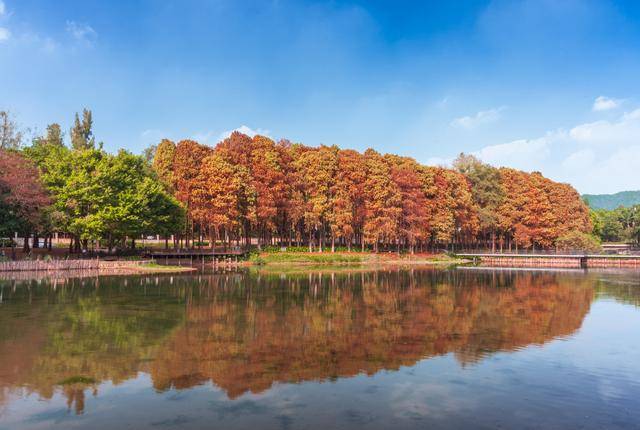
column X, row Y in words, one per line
column 55, row 265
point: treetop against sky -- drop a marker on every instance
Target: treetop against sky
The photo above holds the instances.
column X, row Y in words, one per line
column 538, row 85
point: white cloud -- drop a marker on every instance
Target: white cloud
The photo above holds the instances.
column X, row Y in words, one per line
column 3, row 9
column 244, row 130
column 480, row 118
column 5, row 34
column 439, row 161
column 624, row 131
column 603, row 103
column 579, row 160
column 213, row 137
column 596, row 157
column 83, row 33
column 525, row 154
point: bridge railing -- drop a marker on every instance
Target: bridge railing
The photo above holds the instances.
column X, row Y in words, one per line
column 524, row 252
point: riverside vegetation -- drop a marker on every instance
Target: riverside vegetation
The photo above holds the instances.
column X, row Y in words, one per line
column 254, row 190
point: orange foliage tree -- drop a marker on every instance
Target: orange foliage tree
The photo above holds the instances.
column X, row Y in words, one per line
column 258, row 191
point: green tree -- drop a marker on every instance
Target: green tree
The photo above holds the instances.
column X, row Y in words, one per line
column 487, row 192
column 81, row 132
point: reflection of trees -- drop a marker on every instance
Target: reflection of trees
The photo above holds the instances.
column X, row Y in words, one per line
column 322, row 327
column 622, row 286
column 82, row 332
column 244, row 332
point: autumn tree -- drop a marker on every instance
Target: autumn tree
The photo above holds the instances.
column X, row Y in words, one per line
column 22, row 196
column 187, row 162
column 414, row 222
column 216, row 195
column 317, row 169
column 382, row 201
column 163, row 162
column 269, row 184
column 348, row 214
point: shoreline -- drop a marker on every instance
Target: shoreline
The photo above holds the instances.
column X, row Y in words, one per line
column 93, row 267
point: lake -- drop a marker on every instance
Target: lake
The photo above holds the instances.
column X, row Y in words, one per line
column 323, row 349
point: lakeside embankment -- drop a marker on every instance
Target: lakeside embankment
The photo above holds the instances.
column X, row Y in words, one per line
column 100, row 267
column 584, row 261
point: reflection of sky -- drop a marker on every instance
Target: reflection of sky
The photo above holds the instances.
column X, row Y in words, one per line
column 591, row 379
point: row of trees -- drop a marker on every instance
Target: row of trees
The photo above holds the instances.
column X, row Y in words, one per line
column 80, row 190
column 617, row 225
column 247, row 190
column 284, row 193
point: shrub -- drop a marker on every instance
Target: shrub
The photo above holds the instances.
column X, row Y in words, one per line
column 575, row 240
column 257, row 260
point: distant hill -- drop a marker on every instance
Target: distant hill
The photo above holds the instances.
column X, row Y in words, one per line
column 612, row 201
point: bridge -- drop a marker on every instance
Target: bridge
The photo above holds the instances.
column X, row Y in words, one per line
column 554, row 260
column 216, row 254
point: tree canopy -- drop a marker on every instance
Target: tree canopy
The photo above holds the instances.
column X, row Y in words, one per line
column 256, row 190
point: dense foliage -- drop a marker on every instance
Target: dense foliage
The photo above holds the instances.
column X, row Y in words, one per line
column 617, row 225
column 283, row 193
column 254, row 190
column 83, row 191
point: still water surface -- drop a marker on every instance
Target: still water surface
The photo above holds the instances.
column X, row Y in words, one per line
column 401, row 349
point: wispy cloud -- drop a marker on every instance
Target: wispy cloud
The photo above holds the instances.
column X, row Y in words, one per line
column 596, row 157
column 480, row 118
column 213, row 137
column 3, row 8
column 152, row 136
column 5, row 34
column 603, row 103
column 525, row 154
column 82, row 33
column 245, row 130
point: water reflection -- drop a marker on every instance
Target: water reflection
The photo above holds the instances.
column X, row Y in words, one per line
column 246, row 331
column 327, row 327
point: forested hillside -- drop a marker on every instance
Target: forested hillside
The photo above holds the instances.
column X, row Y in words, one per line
column 613, row 201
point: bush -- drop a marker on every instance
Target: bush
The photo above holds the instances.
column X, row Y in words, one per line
column 257, row 260
column 575, row 240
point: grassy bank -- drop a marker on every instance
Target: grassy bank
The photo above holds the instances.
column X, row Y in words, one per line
column 159, row 268
column 350, row 258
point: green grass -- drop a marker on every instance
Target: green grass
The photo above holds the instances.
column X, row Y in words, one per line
column 305, row 257
column 164, row 268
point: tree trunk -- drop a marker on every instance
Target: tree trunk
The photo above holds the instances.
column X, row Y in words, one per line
column 25, row 245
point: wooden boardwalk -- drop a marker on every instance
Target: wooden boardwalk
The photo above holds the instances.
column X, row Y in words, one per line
column 554, row 260
column 198, row 253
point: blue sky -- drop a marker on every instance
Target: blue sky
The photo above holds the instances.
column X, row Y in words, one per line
column 538, row 85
